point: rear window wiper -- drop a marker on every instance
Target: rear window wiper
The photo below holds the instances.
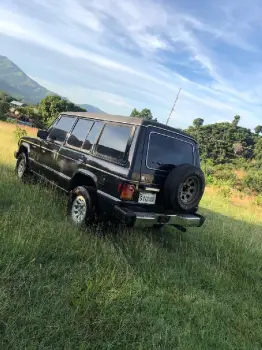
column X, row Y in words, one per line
column 164, row 164
column 158, row 163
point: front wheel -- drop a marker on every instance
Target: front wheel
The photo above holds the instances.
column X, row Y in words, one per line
column 22, row 168
column 79, row 208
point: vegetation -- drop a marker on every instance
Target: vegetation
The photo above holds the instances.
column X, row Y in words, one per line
column 41, row 115
column 51, row 106
column 143, row 114
column 19, row 132
column 61, row 288
column 258, row 129
column 224, row 142
column 228, row 150
column 5, row 99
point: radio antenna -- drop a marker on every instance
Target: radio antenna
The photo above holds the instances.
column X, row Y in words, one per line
column 177, row 96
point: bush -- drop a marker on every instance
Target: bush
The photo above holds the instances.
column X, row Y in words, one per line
column 2, row 117
column 253, row 181
column 226, row 176
column 209, row 179
column 225, row 191
column 11, row 120
column 258, row 200
column 19, row 132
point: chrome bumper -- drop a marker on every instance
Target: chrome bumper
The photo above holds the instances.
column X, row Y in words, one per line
column 143, row 219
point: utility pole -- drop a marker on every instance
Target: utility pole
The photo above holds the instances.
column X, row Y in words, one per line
column 177, row 96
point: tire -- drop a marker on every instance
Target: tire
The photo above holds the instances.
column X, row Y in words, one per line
column 80, row 207
column 22, row 168
column 184, row 188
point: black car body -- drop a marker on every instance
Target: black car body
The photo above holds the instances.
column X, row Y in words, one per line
column 122, row 162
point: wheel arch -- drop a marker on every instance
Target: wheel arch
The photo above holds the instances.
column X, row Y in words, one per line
column 83, row 178
column 24, row 148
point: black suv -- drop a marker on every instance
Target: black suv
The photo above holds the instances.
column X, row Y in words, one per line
column 138, row 172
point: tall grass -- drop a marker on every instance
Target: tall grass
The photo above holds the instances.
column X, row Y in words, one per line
column 61, row 288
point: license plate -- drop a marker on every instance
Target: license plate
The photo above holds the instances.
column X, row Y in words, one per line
column 147, row 198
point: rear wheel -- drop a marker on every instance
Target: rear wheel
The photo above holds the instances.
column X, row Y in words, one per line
column 80, row 208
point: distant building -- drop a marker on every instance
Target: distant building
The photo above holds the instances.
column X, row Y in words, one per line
column 17, row 104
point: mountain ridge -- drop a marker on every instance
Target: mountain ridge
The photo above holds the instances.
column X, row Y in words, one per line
column 17, row 83
column 14, row 81
column 90, row 108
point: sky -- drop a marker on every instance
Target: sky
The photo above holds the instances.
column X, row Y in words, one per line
column 124, row 54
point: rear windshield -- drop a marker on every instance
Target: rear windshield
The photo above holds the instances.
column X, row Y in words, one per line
column 164, row 150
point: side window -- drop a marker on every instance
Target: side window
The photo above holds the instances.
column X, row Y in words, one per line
column 93, row 135
column 113, row 141
column 61, row 128
column 80, row 132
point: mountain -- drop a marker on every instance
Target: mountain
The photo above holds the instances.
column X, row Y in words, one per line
column 91, row 108
column 16, row 83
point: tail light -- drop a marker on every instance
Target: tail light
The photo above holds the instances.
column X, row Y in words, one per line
column 126, row 191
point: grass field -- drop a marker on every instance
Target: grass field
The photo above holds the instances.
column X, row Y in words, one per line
column 61, row 288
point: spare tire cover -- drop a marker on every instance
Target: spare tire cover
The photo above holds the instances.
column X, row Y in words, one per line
column 184, row 188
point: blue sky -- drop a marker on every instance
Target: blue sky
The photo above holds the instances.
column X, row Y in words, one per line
column 121, row 54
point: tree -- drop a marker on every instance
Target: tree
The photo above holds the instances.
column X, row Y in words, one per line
column 4, row 97
column 238, row 148
column 258, row 150
column 258, row 129
column 51, row 106
column 145, row 114
column 223, row 142
column 4, row 107
column 198, row 122
column 135, row 113
column 236, row 120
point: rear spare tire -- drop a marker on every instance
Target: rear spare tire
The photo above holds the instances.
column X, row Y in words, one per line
column 184, row 188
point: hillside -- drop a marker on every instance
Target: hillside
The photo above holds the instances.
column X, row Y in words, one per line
column 14, row 81
column 91, row 108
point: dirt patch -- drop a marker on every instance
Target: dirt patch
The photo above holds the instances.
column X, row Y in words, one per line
column 240, row 174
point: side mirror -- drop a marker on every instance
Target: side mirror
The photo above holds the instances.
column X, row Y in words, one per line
column 42, row 134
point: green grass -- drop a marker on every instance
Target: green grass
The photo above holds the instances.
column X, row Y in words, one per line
column 61, row 288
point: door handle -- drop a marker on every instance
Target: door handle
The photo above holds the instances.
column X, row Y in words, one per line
column 81, row 160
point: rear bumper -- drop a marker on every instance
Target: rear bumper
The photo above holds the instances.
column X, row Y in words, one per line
column 144, row 219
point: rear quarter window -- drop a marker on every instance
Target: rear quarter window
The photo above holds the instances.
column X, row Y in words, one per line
column 113, row 142
column 164, row 150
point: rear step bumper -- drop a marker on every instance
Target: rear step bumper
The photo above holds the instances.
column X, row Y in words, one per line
column 144, row 219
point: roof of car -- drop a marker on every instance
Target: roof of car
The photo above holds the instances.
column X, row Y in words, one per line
column 127, row 120
column 110, row 117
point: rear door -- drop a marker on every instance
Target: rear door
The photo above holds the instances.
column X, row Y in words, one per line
column 163, row 151
column 73, row 155
column 111, row 153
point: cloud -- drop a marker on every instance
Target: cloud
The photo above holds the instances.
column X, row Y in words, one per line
column 126, row 54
